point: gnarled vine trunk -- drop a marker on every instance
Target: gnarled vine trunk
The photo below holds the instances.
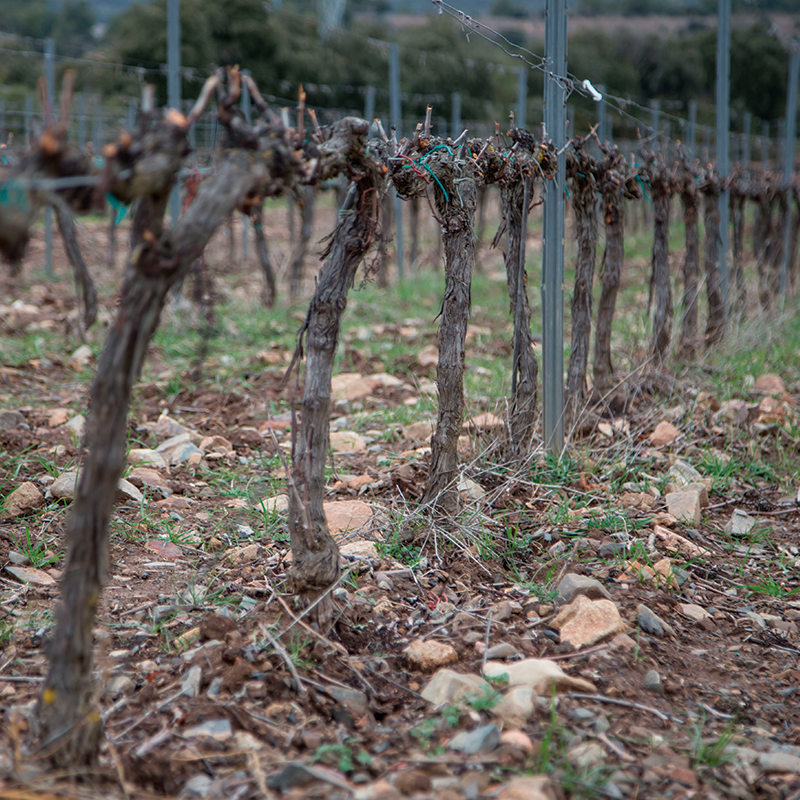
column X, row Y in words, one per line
column 738, row 200
column 297, row 266
column 269, row 290
column 715, row 323
column 614, row 221
column 457, row 213
column 584, row 204
column 315, row 554
column 690, row 201
column 525, row 369
column 661, row 290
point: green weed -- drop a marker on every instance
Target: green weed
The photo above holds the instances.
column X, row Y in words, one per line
column 35, row 552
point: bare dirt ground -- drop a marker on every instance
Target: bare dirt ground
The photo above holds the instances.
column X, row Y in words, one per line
column 209, row 683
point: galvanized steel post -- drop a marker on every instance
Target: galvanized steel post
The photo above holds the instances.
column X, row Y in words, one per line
column 553, row 244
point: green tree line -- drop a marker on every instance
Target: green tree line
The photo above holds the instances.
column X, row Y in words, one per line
column 282, row 48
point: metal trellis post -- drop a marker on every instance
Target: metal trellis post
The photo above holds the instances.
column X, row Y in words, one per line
column 602, row 112
column 723, row 139
column 655, row 120
column 369, row 105
column 174, row 83
column 788, row 163
column 455, row 124
column 521, row 114
column 396, row 120
column 765, row 126
column 691, row 134
column 553, row 244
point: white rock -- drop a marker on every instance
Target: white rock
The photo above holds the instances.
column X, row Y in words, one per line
column 448, row 686
column 539, row 674
column 347, row 442
column 361, row 548
column 77, row 425
column 144, row 457
column 517, row 705
column 740, row 523
column 81, row 357
column 63, row 487
column 277, row 504
column 472, row 490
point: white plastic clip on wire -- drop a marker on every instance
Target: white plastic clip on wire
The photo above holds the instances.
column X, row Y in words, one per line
column 596, row 96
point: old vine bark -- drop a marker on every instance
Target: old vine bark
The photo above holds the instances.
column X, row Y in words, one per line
column 690, row 200
column 522, row 414
column 315, row 564
column 661, row 187
column 715, row 323
column 612, row 189
column 457, row 213
column 584, row 204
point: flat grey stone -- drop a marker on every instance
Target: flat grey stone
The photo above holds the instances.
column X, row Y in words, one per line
column 502, row 650
column 191, row 683
column 572, row 585
column 11, row 419
column 353, row 700
column 481, row 740
column 650, row 622
column 779, row 762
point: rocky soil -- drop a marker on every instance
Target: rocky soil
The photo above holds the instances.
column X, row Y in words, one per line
column 622, row 625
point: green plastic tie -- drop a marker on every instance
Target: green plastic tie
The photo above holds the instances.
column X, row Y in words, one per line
column 444, row 191
column 119, row 207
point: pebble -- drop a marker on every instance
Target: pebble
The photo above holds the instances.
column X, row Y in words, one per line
column 693, row 612
column 572, row 585
column 537, row 787
column 682, row 473
column 430, row 655
column 540, row 674
column 684, row 505
column 38, row 577
column 81, row 357
column 652, row 680
column 586, row 755
column 24, row 499
column 10, row 420
column 779, row 762
column 144, row 457
column 481, row 740
column 58, row 416
column 586, row 622
column 191, row 683
column 347, row 442
column 650, row 622
column 347, row 515
column 517, row 706
column 740, row 523
column 63, row 487
column 119, row 685
column 517, row 739
column 664, row 434
column 275, row 505
column 770, row 383
column 77, row 425
column 471, row 489
column 502, row 650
